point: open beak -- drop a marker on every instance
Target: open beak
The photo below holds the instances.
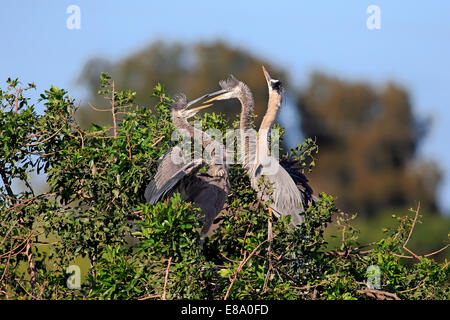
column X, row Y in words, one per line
column 217, row 94
column 266, row 75
column 205, row 104
column 197, row 100
column 201, row 107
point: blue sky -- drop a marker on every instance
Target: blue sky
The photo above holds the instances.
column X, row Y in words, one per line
column 412, row 47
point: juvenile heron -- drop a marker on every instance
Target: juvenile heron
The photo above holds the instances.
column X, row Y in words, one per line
column 286, row 198
column 207, row 189
column 276, row 91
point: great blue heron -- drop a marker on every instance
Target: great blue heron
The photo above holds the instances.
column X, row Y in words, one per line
column 286, row 198
column 276, row 90
column 207, row 189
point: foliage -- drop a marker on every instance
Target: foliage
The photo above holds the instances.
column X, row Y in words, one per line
column 94, row 206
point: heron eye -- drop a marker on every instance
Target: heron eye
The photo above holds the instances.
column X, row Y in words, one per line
column 277, row 85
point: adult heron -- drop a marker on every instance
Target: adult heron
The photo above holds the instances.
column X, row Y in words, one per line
column 206, row 189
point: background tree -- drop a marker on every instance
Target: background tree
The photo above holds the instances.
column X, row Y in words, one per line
column 368, row 140
column 191, row 69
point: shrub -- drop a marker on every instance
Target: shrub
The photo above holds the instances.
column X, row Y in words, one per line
column 96, row 178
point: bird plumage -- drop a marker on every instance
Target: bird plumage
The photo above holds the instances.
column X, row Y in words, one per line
column 207, row 190
column 289, row 195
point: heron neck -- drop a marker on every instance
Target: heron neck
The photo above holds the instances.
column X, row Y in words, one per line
column 202, row 138
column 265, row 128
column 247, row 107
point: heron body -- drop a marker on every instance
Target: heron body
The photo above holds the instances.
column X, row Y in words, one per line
column 280, row 190
column 207, row 190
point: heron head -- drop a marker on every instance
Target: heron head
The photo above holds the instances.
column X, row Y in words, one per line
column 273, row 84
column 180, row 106
column 231, row 88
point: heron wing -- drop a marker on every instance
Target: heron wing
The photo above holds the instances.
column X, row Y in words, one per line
column 300, row 180
column 286, row 197
column 172, row 168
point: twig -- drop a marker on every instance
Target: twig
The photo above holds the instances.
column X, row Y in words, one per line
column 226, row 258
column 25, row 201
column 317, row 284
column 112, row 109
column 6, row 235
column 379, row 294
column 437, row 251
column 129, row 149
column 42, row 141
column 151, row 296
column 402, row 256
column 157, row 141
column 410, row 232
column 24, row 289
column 5, row 180
column 412, row 289
column 166, row 279
column 96, row 109
column 241, row 265
column 348, row 252
column 27, row 239
column 81, row 135
column 269, row 251
column 43, row 154
column 31, row 265
column 343, row 237
column 245, row 238
column 17, row 100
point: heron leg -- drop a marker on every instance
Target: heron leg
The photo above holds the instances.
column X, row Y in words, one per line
column 269, row 237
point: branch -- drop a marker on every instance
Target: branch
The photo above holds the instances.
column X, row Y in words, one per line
column 409, row 236
column 157, row 141
column 112, row 110
column 31, row 265
column 379, row 294
column 42, row 141
column 96, row 109
column 25, row 201
column 166, row 279
column 6, row 181
column 241, row 265
column 437, row 251
column 410, row 232
column 17, row 100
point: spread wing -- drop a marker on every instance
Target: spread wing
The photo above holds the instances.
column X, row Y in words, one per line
column 172, row 168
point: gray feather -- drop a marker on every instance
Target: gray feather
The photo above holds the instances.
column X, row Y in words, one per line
column 169, row 174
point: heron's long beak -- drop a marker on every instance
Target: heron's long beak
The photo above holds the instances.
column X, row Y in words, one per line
column 197, row 100
column 201, row 107
column 219, row 94
column 266, row 75
column 206, row 104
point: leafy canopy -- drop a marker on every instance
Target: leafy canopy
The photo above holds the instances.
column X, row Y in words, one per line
column 94, row 210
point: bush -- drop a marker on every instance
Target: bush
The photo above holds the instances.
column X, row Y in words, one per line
column 96, row 178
